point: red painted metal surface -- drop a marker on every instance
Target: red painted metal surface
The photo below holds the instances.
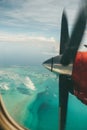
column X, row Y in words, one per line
column 79, row 76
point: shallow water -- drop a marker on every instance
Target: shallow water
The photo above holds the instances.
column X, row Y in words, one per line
column 31, row 97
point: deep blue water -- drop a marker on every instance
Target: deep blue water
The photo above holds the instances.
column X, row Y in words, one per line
column 31, row 96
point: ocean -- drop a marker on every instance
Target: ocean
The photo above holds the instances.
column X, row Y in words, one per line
column 30, row 94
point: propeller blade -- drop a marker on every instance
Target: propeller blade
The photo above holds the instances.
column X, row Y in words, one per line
column 75, row 40
column 63, row 101
column 64, row 81
column 64, row 33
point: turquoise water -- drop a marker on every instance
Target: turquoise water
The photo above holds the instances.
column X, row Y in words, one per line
column 31, row 97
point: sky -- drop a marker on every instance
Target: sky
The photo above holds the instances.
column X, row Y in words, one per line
column 30, row 29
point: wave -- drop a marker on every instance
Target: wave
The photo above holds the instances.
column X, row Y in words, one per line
column 28, row 83
column 4, row 86
column 9, row 75
column 15, row 79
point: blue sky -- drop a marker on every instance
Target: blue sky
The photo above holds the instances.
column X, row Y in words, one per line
column 30, row 29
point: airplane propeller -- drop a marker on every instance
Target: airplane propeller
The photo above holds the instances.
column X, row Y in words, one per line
column 68, row 49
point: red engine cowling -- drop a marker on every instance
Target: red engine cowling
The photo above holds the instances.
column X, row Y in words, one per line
column 79, row 76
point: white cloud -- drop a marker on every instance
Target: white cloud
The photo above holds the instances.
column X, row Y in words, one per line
column 6, row 37
column 26, row 13
column 41, row 15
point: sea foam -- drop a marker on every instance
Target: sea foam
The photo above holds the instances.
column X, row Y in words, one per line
column 28, row 83
column 4, row 86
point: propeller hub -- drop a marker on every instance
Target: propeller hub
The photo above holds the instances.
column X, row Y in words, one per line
column 53, row 64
